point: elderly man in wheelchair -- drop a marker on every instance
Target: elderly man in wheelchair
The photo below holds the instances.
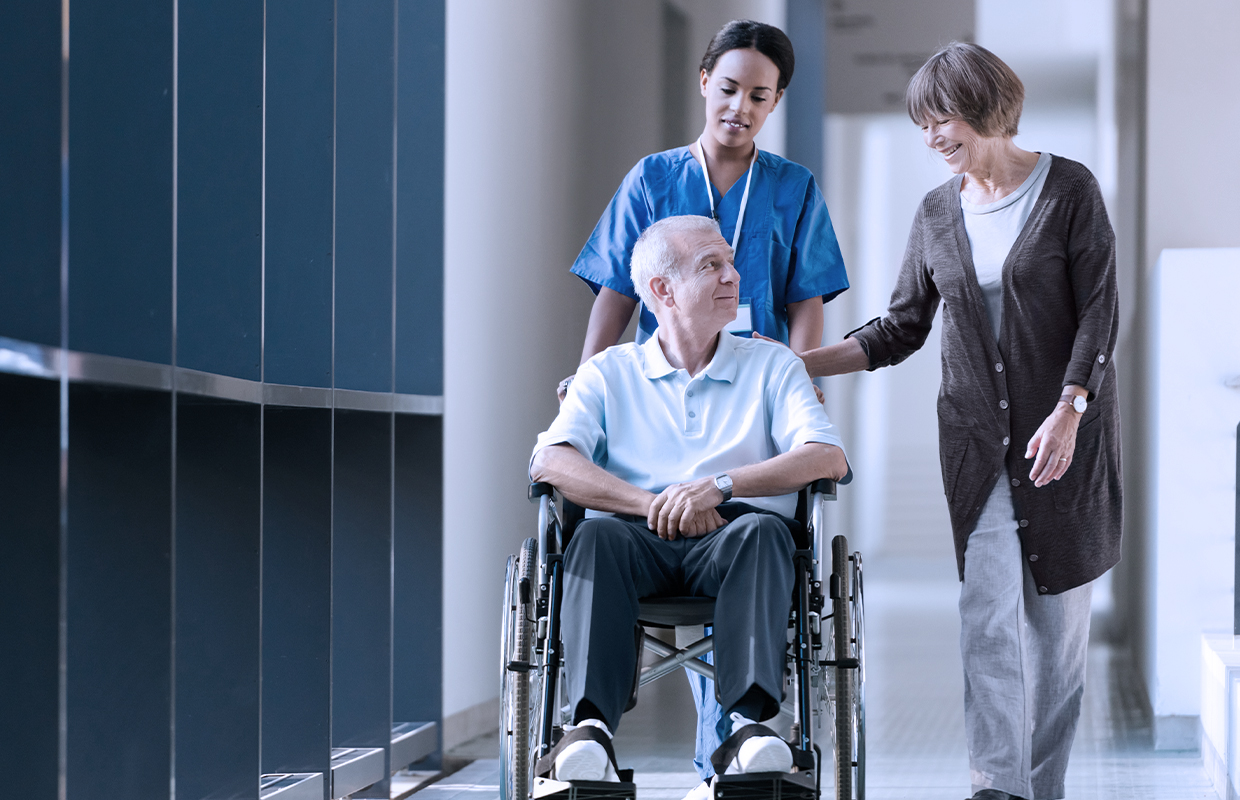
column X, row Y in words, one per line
column 689, row 449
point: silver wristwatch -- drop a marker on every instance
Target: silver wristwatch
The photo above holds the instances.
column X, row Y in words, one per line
column 724, row 484
column 1076, row 401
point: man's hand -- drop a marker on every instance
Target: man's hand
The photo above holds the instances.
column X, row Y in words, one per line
column 686, row 509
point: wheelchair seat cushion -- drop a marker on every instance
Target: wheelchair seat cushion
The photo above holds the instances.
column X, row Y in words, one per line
column 546, row 764
column 669, row 612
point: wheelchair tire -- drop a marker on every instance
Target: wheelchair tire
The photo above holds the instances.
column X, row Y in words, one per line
column 858, row 623
column 517, row 673
column 844, row 698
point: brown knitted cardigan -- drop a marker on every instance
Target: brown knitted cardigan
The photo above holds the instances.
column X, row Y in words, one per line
column 1060, row 318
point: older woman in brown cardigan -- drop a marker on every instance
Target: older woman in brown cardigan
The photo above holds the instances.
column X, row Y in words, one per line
column 1018, row 250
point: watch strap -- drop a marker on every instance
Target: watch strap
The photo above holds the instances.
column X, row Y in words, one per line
column 1070, row 399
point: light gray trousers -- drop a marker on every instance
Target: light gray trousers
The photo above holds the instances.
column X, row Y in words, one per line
column 611, row 563
column 1024, row 662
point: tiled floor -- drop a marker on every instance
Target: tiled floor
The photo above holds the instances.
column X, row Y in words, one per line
column 915, row 721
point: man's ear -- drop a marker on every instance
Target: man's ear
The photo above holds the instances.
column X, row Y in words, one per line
column 661, row 290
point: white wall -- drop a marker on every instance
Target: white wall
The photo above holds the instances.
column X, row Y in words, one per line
column 549, row 103
column 1195, row 388
column 1192, row 109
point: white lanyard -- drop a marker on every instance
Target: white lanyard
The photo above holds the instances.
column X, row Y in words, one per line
column 710, row 195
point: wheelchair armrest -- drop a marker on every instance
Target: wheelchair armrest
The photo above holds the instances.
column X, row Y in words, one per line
column 539, row 489
column 827, row 486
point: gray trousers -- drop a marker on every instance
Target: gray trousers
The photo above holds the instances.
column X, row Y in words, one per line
column 611, row 563
column 1024, row 662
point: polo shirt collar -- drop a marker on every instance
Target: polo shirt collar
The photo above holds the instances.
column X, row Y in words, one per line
column 722, row 366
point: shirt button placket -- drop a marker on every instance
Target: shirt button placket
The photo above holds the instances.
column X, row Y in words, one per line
column 692, row 423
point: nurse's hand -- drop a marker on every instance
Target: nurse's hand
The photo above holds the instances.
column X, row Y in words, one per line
column 561, row 388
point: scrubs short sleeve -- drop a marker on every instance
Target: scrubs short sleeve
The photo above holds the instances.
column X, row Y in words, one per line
column 604, row 261
column 817, row 268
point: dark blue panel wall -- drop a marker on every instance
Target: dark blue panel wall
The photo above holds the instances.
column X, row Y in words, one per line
column 220, row 186
column 119, row 594
column 362, row 583
column 297, row 554
column 417, row 604
column 364, row 153
column 120, row 178
column 300, row 131
column 217, row 599
column 30, row 171
column 419, row 198
column 30, row 586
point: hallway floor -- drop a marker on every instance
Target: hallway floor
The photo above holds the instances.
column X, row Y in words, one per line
column 914, row 690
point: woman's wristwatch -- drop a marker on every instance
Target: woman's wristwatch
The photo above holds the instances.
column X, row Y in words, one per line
column 1077, row 402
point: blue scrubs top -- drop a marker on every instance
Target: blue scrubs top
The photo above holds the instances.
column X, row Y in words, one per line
column 787, row 250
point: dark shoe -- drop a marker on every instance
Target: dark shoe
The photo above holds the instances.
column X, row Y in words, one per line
column 994, row 794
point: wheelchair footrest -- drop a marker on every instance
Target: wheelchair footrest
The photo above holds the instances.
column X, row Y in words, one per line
column 584, row 790
column 766, row 786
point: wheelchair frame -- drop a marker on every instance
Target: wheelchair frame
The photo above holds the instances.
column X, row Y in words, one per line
column 828, row 672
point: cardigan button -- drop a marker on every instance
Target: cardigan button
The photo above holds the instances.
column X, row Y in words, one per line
column 1033, row 557
column 1002, row 404
column 1006, row 439
column 1024, row 523
column 1016, row 481
column 1043, row 590
column 999, row 367
column 1102, row 359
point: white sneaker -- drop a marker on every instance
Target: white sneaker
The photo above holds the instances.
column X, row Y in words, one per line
column 759, row 753
column 585, row 760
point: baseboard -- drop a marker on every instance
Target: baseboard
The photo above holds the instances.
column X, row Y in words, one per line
column 1180, row 733
column 469, row 723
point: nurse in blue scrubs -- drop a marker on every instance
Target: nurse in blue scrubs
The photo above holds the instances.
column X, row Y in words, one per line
column 769, row 209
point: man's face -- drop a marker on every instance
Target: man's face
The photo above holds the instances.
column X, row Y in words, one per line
column 708, row 289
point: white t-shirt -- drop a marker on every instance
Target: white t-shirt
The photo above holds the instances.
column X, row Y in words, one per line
column 652, row 425
column 993, row 228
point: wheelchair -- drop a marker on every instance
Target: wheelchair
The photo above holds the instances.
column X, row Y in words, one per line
column 824, row 673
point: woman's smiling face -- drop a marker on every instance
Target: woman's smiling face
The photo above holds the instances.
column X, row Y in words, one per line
column 956, row 141
column 740, row 93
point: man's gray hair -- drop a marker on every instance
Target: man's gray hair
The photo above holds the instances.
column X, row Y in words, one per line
column 658, row 252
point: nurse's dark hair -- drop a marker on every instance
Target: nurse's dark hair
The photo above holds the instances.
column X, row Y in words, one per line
column 967, row 82
column 745, row 34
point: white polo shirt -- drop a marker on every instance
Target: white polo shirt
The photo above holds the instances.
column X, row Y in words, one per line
column 653, row 425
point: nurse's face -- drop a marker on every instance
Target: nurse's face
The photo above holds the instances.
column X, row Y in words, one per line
column 739, row 93
column 708, row 288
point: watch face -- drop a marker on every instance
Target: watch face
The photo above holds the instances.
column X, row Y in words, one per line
column 1080, row 405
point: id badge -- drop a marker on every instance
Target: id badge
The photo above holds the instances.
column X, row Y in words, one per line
column 743, row 324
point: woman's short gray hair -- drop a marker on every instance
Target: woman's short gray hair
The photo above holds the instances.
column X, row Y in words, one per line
column 969, row 83
column 658, row 254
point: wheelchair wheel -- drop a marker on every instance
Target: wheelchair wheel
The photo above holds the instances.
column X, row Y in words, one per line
column 848, row 690
column 518, row 674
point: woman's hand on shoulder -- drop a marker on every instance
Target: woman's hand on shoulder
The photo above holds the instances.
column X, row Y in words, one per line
column 1052, row 445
